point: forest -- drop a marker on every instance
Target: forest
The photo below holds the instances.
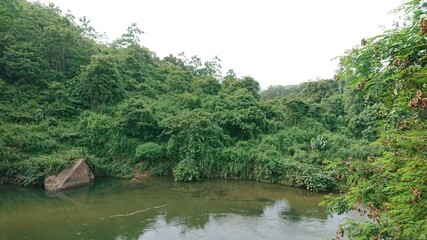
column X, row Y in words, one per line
column 66, row 93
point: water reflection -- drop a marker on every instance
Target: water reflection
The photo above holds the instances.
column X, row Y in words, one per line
column 76, row 196
column 271, row 224
column 159, row 208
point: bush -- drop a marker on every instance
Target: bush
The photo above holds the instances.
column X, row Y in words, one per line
column 318, row 143
column 236, row 162
column 149, row 150
column 137, row 119
column 99, row 82
column 27, row 173
column 110, row 168
column 162, row 168
column 269, row 170
column 97, row 131
column 187, row 170
column 307, row 176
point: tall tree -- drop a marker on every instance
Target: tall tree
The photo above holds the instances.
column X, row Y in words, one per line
column 391, row 191
column 99, row 82
column 131, row 37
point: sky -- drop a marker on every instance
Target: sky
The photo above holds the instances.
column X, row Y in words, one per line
column 278, row 42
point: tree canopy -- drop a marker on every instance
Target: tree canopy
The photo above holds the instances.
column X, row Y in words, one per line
column 389, row 190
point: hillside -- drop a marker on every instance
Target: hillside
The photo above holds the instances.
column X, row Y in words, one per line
column 65, row 94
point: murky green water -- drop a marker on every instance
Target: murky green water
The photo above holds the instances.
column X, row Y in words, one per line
column 159, row 208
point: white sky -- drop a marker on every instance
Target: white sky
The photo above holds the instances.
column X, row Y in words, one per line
column 278, row 42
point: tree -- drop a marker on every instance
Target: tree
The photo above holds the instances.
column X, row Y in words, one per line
column 41, row 34
column 318, row 90
column 278, row 91
column 119, row 104
column 99, row 82
column 195, row 141
column 23, row 61
column 248, row 83
column 240, row 114
column 209, row 85
column 87, row 31
column 391, row 190
column 138, row 120
column 175, row 75
column 131, row 37
column 136, row 64
column 9, row 9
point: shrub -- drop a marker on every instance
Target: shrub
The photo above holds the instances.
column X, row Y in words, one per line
column 149, row 150
column 99, row 81
column 162, row 168
column 308, row 176
column 269, row 170
column 99, row 131
column 318, row 143
column 137, row 119
column 236, row 162
column 187, row 170
column 111, row 168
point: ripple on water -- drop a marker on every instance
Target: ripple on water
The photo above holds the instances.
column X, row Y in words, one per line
column 160, row 208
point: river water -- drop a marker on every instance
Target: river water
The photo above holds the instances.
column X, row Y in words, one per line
column 159, row 208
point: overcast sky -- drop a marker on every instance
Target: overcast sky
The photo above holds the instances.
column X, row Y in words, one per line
column 277, row 42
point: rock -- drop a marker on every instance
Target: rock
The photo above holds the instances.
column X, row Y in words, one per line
column 134, row 181
column 75, row 176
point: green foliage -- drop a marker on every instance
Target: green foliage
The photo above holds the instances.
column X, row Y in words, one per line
column 149, row 150
column 319, row 143
column 176, row 76
column 194, row 136
column 22, row 62
column 240, row 114
column 96, row 129
column 247, row 83
column 318, row 90
column 365, row 124
column 273, row 92
column 111, row 168
column 131, row 37
column 389, row 190
column 269, row 167
column 187, row 170
column 137, row 119
column 39, row 43
column 237, row 162
column 163, row 168
column 60, row 102
column 307, row 176
column 66, row 95
column 99, row 82
column 32, row 170
column 56, row 161
column 209, row 85
column 137, row 67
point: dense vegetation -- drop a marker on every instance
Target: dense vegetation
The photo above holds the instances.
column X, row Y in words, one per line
column 390, row 191
column 65, row 94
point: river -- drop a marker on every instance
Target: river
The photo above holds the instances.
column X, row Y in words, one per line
column 159, row 208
